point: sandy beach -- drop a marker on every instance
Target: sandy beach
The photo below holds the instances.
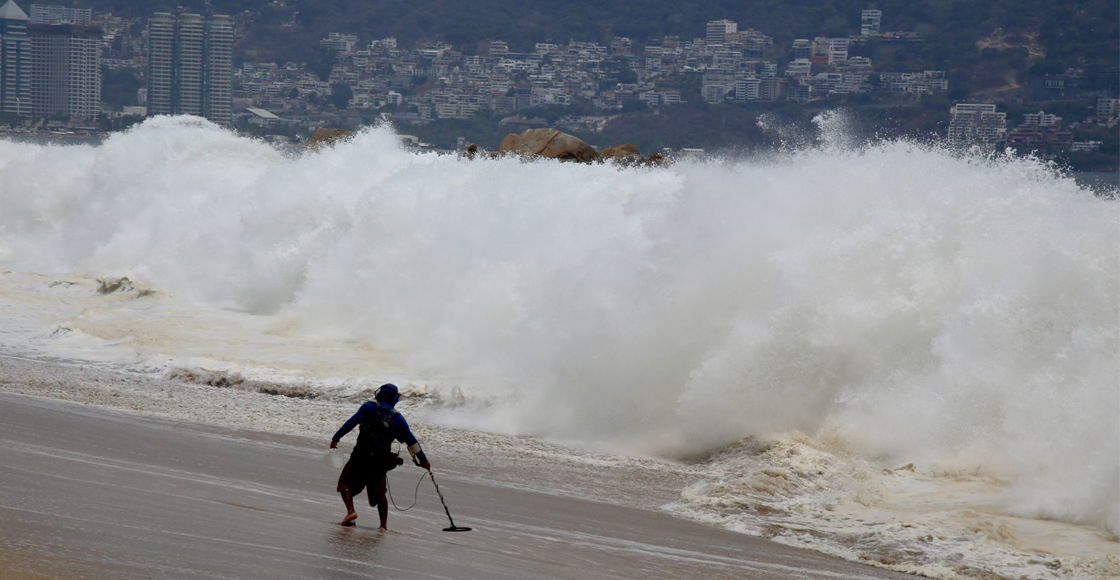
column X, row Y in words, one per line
column 91, row 492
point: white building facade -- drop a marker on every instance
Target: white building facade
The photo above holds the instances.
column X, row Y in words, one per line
column 190, row 66
column 15, row 61
column 66, row 71
column 976, row 123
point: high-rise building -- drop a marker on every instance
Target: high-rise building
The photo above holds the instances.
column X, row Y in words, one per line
column 717, row 31
column 977, row 123
column 869, row 22
column 161, row 59
column 190, row 41
column 51, row 14
column 190, row 66
column 218, row 101
column 15, row 61
column 65, row 70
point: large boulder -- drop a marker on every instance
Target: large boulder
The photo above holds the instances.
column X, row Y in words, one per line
column 327, row 137
column 626, row 154
column 626, row 150
column 548, row 143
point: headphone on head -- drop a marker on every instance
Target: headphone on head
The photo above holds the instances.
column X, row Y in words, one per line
column 390, row 390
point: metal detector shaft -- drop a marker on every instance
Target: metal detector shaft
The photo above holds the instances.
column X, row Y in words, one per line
column 453, row 527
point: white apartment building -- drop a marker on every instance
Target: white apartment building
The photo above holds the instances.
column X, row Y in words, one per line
column 189, row 48
column 838, row 51
column 858, row 63
column 65, row 71
column 339, row 42
column 51, row 14
column 190, row 66
column 869, row 22
column 217, row 105
column 499, row 48
column 714, row 93
column 802, row 49
column 820, row 48
column 1085, row 146
column 770, row 88
column 747, row 89
column 1108, row 109
column 977, row 123
column 799, row 68
column 15, row 61
column 1041, row 119
column 717, row 31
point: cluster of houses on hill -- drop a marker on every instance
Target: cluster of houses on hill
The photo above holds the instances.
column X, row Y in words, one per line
column 436, row 80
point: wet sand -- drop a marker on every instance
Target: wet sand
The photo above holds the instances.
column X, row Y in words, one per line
column 94, row 493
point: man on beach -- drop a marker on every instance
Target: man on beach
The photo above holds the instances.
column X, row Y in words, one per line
column 372, row 458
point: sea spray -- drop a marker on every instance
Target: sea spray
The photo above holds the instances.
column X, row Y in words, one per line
column 921, row 304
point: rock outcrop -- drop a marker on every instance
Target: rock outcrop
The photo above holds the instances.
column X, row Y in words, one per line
column 548, row 143
column 626, row 150
column 627, row 154
column 327, row 137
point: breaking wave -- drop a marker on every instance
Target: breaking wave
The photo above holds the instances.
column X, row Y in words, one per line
column 920, row 304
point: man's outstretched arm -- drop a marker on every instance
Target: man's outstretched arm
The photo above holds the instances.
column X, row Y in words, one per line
column 348, row 426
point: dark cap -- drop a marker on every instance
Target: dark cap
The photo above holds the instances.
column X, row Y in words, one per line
column 388, row 393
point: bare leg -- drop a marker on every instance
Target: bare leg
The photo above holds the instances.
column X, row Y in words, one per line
column 351, row 514
column 382, row 502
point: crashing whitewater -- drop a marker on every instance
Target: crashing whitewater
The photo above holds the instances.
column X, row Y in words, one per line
column 894, row 352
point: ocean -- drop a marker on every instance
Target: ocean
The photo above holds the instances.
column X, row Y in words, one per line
column 897, row 353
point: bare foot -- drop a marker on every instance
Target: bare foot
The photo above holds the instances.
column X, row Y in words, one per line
column 349, row 519
column 382, row 529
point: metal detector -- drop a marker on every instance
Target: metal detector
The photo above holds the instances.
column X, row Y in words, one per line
column 453, row 528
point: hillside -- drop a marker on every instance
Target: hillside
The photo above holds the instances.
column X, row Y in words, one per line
column 1075, row 33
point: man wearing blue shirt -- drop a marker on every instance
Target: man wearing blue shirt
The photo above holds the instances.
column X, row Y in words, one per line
column 379, row 424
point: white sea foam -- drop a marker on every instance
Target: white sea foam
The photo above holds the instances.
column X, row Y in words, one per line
column 911, row 303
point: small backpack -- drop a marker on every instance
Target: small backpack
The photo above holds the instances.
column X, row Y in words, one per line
column 375, row 435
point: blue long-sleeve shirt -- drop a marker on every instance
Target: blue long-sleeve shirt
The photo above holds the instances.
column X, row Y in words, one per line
column 398, row 427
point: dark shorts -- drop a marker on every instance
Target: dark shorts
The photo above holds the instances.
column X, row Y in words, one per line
column 361, row 471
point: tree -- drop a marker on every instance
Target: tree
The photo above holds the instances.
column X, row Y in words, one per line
column 1047, row 66
column 341, row 95
column 118, row 87
column 627, row 75
column 322, row 63
column 634, row 106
